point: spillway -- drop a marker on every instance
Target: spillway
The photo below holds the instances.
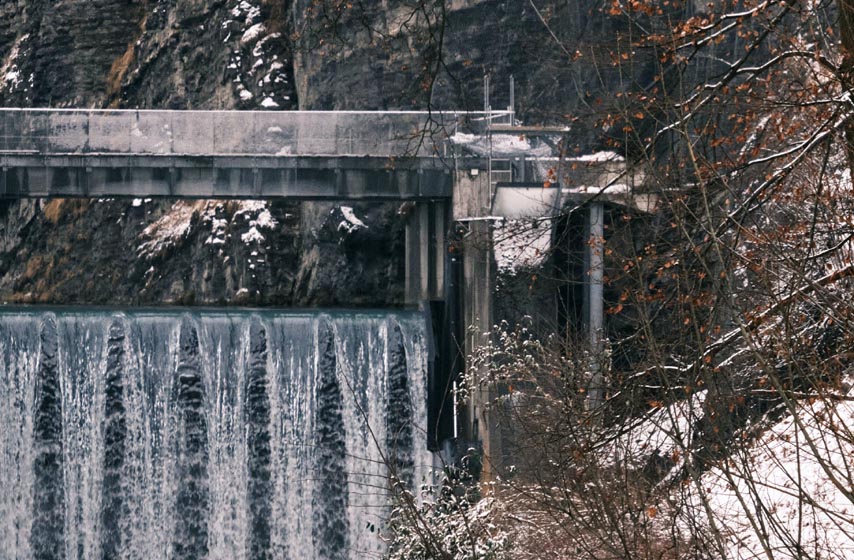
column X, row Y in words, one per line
column 221, row 434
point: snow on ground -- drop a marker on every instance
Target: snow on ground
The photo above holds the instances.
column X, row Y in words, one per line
column 599, row 157
column 792, row 492
column 502, row 144
column 665, row 432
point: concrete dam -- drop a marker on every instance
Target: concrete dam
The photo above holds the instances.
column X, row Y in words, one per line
column 260, row 433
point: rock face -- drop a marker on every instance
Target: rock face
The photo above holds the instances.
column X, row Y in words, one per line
column 383, row 58
column 203, row 252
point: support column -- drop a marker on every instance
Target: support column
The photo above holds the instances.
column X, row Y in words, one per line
column 414, row 267
column 424, row 242
column 425, row 252
column 595, row 304
column 472, row 201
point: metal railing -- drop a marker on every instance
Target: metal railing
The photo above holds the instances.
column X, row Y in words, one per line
column 236, row 133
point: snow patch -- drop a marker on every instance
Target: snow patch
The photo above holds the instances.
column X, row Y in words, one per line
column 262, row 220
column 269, row 103
column 664, row 432
column 168, row 231
column 521, row 244
column 9, row 71
column 500, row 144
column 350, row 223
column 252, row 236
column 219, row 228
column 799, row 470
column 252, row 33
column 599, row 157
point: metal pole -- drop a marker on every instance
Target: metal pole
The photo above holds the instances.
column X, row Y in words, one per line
column 595, row 305
column 486, row 98
column 512, row 107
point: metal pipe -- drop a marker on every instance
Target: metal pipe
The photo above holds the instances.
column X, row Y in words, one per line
column 595, row 305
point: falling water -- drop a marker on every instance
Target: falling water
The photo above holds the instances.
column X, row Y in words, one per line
column 216, row 434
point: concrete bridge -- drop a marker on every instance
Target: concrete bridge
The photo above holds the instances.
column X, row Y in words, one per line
column 401, row 155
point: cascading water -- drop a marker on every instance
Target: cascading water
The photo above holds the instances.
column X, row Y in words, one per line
column 217, row 434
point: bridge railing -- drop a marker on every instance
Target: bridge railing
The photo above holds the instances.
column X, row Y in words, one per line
column 238, row 133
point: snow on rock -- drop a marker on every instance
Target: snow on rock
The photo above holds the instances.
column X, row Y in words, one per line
column 265, row 76
column 219, row 229
column 172, row 228
column 262, row 220
column 350, row 223
column 252, row 236
column 253, row 33
column 9, row 72
column 176, row 225
column 246, row 11
column 795, row 482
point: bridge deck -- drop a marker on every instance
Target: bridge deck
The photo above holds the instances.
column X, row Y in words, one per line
column 229, row 154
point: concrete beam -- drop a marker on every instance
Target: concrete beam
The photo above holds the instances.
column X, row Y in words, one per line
column 307, row 178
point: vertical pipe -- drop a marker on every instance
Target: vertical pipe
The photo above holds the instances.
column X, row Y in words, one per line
column 486, row 98
column 511, row 108
column 595, row 309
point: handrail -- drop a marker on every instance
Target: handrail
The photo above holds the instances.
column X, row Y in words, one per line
column 202, row 132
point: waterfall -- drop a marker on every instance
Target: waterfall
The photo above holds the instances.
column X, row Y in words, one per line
column 212, row 434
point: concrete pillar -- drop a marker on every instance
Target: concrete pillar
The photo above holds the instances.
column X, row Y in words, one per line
column 439, row 231
column 472, row 201
column 425, row 239
column 412, row 274
column 425, row 252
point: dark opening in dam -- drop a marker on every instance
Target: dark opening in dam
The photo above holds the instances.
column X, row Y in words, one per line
column 222, row 434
